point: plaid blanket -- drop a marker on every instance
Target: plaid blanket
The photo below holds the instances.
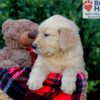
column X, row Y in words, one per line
column 13, row 82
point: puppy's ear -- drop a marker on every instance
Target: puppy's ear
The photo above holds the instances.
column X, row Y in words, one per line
column 68, row 38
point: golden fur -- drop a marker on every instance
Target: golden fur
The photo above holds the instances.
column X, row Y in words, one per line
column 59, row 50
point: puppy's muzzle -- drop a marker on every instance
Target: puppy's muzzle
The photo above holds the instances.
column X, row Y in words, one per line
column 34, row 46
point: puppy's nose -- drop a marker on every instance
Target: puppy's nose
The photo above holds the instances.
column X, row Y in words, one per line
column 34, row 46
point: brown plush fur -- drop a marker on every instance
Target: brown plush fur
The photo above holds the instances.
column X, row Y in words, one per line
column 15, row 52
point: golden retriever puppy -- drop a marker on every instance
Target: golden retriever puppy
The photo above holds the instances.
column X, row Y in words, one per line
column 59, row 50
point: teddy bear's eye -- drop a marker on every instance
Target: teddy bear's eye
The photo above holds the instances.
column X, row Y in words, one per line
column 46, row 35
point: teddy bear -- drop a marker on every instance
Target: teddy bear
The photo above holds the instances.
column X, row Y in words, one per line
column 19, row 36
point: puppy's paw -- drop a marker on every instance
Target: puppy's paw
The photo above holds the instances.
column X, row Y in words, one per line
column 68, row 86
column 35, row 82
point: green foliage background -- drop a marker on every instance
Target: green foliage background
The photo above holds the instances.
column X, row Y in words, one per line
column 39, row 10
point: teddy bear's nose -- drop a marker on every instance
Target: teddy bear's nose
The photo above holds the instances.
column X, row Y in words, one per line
column 34, row 46
column 31, row 35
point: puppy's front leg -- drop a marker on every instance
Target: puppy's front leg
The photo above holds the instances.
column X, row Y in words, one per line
column 37, row 77
column 69, row 80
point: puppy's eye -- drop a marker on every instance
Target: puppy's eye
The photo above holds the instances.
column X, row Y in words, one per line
column 46, row 35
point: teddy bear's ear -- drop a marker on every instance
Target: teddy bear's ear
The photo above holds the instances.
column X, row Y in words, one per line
column 8, row 23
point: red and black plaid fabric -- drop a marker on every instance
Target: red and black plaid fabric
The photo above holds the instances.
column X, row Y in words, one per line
column 33, row 55
column 13, row 82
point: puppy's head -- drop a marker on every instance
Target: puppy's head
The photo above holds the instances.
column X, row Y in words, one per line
column 56, row 34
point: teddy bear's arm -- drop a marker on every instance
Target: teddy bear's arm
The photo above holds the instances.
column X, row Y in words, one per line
column 21, row 57
column 5, row 53
column 7, row 64
column 26, row 59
